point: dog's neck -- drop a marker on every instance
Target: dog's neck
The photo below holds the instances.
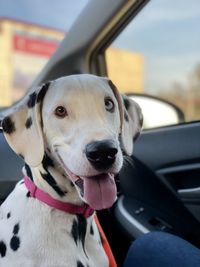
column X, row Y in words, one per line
column 52, row 179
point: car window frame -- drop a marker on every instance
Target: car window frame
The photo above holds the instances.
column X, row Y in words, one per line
column 80, row 53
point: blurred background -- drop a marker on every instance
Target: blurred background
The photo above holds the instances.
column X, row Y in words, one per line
column 157, row 54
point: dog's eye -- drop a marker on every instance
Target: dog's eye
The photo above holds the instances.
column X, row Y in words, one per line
column 60, row 112
column 109, row 104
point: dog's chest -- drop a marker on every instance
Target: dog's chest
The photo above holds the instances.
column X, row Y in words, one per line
column 32, row 234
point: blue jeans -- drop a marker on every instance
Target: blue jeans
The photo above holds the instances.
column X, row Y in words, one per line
column 158, row 249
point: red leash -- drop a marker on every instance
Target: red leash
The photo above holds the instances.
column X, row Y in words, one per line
column 106, row 246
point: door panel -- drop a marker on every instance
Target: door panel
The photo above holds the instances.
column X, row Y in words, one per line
column 185, row 181
column 169, row 146
column 165, row 162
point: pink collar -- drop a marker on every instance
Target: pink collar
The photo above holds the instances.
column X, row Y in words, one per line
column 44, row 197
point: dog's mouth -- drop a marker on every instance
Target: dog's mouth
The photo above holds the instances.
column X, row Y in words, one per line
column 99, row 191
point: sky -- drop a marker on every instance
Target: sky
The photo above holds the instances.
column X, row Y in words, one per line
column 165, row 33
column 59, row 14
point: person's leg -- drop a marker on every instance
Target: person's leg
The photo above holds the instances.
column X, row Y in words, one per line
column 158, row 249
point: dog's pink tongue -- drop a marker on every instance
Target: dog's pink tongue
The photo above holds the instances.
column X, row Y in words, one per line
column 100, row 192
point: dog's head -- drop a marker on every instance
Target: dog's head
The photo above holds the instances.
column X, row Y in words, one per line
column 84, row 123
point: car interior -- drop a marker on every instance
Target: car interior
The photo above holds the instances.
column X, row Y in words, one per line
column 158, row 187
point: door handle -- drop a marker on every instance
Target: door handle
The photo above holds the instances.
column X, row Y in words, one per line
column 189, row 193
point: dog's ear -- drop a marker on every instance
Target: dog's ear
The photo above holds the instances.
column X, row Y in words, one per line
column 132, row 124
column 131, row 119
column 22, row 127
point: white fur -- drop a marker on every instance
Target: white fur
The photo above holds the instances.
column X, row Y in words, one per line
column 45, row 235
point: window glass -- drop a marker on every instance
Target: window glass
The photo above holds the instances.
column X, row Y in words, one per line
column 159, row 54
column 30, row 32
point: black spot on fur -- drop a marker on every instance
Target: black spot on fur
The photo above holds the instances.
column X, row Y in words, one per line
column 16, row 229
column 74, row 231
column 32, row 100
column 126, row 116
column 126, row 103
column 47, row 161
column 8, row 215
column 91, row 230
column 141, row 118
column 42, row 92
column 28, row 171
column 15, row 243
column 80, row 264
column 52, row 182
column 28, row 194
column 3, row 249
column 28, row 123
column 8, row 125
column 22, row 182
column 78, row 230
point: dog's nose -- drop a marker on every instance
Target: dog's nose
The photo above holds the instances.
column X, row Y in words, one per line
column 101, row 154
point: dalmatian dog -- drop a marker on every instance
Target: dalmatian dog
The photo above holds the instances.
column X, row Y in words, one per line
column 72, row 133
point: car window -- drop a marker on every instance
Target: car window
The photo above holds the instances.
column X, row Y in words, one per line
column 158, row 54
column 30, row 32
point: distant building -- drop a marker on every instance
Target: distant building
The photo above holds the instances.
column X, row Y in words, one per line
column 126, row 70
column 25, row 48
